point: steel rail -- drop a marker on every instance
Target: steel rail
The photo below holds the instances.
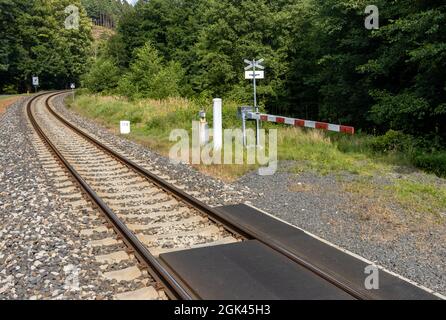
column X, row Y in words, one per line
column 230, row 224
column 174, row 289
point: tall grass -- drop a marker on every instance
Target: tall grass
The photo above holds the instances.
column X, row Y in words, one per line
column 153, row 120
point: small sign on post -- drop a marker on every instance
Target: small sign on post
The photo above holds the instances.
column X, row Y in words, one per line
column 35, row 82
column 125, row 127
column 73, row 86
column 252, row 72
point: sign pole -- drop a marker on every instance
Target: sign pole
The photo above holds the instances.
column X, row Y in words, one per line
column 35, row 83
column 255, row 105
column 72, row 86
column 255, row 65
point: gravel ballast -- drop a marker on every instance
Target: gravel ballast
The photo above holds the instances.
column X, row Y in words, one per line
column 42, row 252
column 307, row 200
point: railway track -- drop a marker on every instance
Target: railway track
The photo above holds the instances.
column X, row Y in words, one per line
column 160, row 224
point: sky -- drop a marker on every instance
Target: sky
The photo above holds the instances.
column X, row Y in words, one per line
column 132, row 1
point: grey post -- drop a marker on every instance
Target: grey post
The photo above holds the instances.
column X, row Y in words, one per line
column 72, row 86
column 244, row 128
column 255, row 65
column 255, row 105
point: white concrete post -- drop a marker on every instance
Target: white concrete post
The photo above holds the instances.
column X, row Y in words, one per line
column 218, row 125
column 125, row 127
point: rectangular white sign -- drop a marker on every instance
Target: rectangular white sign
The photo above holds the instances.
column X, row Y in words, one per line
column 258, row 74
column 125, row 127
column 35, row 81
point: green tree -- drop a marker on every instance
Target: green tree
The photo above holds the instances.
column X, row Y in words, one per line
column 37, row 43
column 103, row 76
column 149, row 77
column 321, row 62
column 112, row 8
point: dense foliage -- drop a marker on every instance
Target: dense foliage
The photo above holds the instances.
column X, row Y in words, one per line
column 322, row 63
column 35, row 41
column 150, row 77
column 111, row 8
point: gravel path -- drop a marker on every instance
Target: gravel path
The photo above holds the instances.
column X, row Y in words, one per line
column 383, row 233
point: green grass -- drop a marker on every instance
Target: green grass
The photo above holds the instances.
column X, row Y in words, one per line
column 423, row 201
column 315, row 151
column 422, row 197
column 153, row 120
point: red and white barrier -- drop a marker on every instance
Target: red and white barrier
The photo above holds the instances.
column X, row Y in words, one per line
column 301, row 123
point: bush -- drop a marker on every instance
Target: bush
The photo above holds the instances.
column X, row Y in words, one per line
column 433, row 162
column 166, row 83
column 9, row 89
column 149, row 77
column 102, row 77
column 392, row 141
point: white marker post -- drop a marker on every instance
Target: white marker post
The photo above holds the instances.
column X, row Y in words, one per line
column 218, row 125
column 125, row 127
column 254, row 75
column 73, row 86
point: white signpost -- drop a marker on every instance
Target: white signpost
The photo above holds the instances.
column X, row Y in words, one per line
column 73, row 86
column 125, row 127
column 252, row 73
column 35, row 82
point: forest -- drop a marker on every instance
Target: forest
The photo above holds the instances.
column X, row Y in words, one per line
column 34, row 41
column 322, row 63
column 112, row 8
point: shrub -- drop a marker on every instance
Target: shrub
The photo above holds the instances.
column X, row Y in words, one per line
column 432, row 162
column 9, row 89
column 102, row 77
column 149, row 77
column 392, row 141
column 155, row 123
column 166, row 83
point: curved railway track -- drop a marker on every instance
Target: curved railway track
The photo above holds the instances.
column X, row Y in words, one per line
column 147, row 213
column 150, row 215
